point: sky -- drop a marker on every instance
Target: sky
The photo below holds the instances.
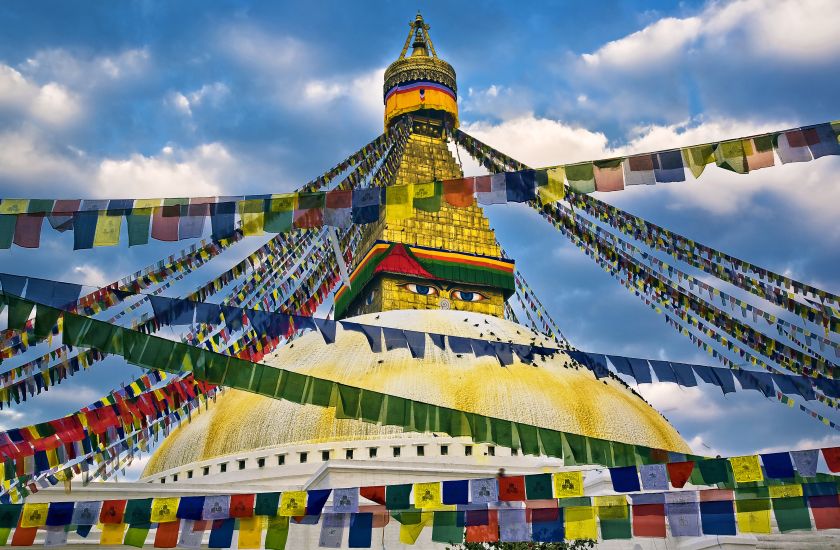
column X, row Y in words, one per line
column 149, row 99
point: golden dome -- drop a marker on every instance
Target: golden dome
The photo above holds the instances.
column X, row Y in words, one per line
column 546, row 394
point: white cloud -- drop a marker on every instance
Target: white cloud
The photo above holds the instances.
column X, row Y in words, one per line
column 798, row 31
column 831, row 440
column 267, row 52
column 363, row 90
column 680, row 403
column 654, row 44
column 89, row 275
column 11, row 419
column 27, row 158
column 203, row 171
column 51, row 103
column 84, row 72
column 184, row 103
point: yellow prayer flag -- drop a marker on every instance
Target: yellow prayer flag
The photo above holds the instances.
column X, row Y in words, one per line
column 252, row 213
column 293, row 503
column 611, row 507
column 427, row 495
column 568, row 484
column 250, row 532
column 108, row 227
column 164, row 509
column 696, row 158
column 112, row 534
column 753, row 515
column 34, row 514
column 399, row 202
column 14, row 206
column 580, row 523
column 555, row 190
column 410, row 533
column 746, row 468
column 785, row 491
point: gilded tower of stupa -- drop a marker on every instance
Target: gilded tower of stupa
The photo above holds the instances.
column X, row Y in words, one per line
column 439, row 271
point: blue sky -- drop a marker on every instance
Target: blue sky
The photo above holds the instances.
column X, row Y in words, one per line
column 147, row 99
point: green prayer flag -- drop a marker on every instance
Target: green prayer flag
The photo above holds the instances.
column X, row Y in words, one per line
column 575, row 450
column 697, row 157
column 397, row 497
column 7, row 230
column 448, row 527
column 4, row 535
column 427, row 196
column 277, row 533
column 581, row 177
column 712, row 471
column 791, row 514
column 9, row 514
column 528, row 439
column 319, row 392
column 732, row 155
column 502, row 432
column 615, row 528
column 600, row 451
column 371, row 405
column 136, row 534
column 19, row 311
column 348, row 402
column 45, row 320
column 552, row 443
column 396, row 411
column 139, row 219
column 266, row 504
column 292, row 385
column 279, row 213
column 138, row 511
column 573, row 502
column 538, row 486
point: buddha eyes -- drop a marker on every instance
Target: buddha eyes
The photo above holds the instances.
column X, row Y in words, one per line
column 468, row 296
column 422, row 290
column 426, row 290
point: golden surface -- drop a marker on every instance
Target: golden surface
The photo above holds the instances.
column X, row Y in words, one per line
column 547, row 395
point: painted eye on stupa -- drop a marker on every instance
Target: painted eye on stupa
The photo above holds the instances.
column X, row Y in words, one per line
column 422, row 290
column 468, row 296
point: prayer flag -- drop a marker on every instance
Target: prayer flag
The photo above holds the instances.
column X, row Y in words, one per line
column 191, row 508
column 241, row 506
column 375, row 493
column 60, row 513
column 28, row 230
column 346, row 500
column 777, row 465
column 55, row 536
column 613, row 516
column 806, row 462
column 746, row 468
column 458, row 192
column 278, row 533
column 790, row 508
column 625, row 479
column 84, row 223
column 609, row 175
column 679, row 472
column 86, row 513
column 668, row 166
column 192, row 222
column 166, row 219
column 427, row 196
column 109, row 224
column 138, row 220
column 293, row 503
column 166, row 535
column 112, row 534
column 366, row 205
column 315, row 501
column 339, row 205
column 568, row 484
column 456, row 492
column 683, row 513
column 427, row 495
column 250, row 532
column 491, row 189
column 520, row 186
column 717, row 516
column 138, row 511
column 163, row 510
column 361, row 530
column 697, row 157
column 448, row 527
column 832, row 458
column 192, row 533
column 638, row 170
column 648, row 520
column 24, row 536
column 222, row 217
column 483, row 491
column 713, row 471
column 485, row 532
column 512, row 525
column 555, row 189
column 580, row 522
column 792, row 147
column 332, row 530
column 761, row 155
column 309, row 210
column 252, row 214
column 753, row 515
column 547, row 528
column 279, row 214
column 112, row 511
column 538, row 486
column 412, row 524
column 216, row 507
column 61, row 217
column 732, row 155
column 654, row 477
column 399, row 203
column 581, row 177
column 221, row 534
column 826, row 511
column 397, row 497
column 822, row 140
column 34, row 514
column 511, row 488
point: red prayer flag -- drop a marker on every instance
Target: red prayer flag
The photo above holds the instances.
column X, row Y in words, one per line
column 165, row 223
column 309, row 211
column 112, row 511
column 826, row 510
column 679, row 472
column 24, row 536
column 537, row 515
column 28, row 230
column 338, row 198
column 241, row 506
column 484, row 533
column 832, row 458
column 482, row 184
column 167, row 534
column 458, row 192
column 512, row 488
column 375, row 493
column 649, row 520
